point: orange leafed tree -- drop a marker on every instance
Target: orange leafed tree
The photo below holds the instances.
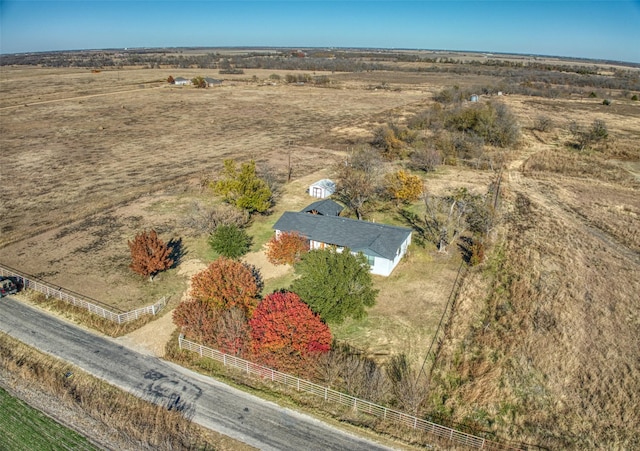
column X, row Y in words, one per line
column 286, row 334
column 149, row 254
column 286, row 248
column 227, row 284
column 404, row 187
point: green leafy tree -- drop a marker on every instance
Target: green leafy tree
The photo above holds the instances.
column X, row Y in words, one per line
column 230, row 241
column 336, row 285
column 199, row 82
column 243, row 188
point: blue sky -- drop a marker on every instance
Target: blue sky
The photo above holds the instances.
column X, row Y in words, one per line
column 586, row 29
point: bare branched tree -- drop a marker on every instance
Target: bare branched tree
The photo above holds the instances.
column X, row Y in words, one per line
column 408, row 389
column 358, row 179
column 203, row 219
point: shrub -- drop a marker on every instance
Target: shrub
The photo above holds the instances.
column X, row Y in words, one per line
column 585, row 138
column 203, row 219
column 494, row 123
column 230, row 241
column 634, row 97
column 542, row 124
column 425, row 158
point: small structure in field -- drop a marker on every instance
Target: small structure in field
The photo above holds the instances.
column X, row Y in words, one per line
column 474, row 97
column 181, row 81
column 322, row 188
column 212, row 81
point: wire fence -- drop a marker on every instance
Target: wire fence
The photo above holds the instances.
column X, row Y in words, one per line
column 330, row 395
column 49, row 290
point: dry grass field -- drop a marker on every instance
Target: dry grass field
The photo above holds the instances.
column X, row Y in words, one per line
column 98, row 157
column 544, row 344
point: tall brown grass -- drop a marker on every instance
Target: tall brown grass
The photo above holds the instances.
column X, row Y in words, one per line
column 82, row 316
column 551, row 355
column 136, row 423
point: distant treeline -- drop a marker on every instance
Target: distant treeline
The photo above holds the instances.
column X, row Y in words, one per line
column 526, row 75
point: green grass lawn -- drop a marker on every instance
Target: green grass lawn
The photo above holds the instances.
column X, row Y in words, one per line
column 25, row 428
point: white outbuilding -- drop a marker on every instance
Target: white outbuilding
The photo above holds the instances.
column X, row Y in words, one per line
column 322, row 188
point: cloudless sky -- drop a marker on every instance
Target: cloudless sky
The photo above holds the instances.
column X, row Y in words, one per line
column 587, row 29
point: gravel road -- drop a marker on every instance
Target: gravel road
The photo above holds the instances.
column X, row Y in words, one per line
column 213, row 404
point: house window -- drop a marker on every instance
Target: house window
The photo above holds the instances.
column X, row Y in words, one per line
column 371, row 260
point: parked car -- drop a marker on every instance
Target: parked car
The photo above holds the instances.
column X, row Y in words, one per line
column 7, row 287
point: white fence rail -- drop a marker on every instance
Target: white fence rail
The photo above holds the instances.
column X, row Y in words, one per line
column 359, row 405
column 73, row 299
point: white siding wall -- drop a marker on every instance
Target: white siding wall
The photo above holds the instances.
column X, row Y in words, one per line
column 381, row 266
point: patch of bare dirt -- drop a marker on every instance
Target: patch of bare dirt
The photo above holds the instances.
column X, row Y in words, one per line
column 153, row 337
column 267, row 269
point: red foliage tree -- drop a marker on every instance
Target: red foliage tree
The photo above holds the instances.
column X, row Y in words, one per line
column 286, row 248
column 149, row 254
column 226, row 284
column 286, row 334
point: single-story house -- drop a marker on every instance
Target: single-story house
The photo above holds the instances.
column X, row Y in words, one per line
column 212, row 81
column 322, row 188
column 181, row 81
column 325, row 207
column 383, row 245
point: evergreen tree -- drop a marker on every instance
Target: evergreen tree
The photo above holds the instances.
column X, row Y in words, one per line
column 336, row 285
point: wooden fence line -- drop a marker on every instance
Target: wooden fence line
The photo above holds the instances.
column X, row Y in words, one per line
column 43, row 287
column 330, row 395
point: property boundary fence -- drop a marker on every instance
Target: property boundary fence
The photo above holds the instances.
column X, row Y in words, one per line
column 74, row 299
column 329, row 395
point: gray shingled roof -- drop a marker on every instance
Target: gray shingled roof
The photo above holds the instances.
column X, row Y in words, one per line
column 325, row 207
column 370, row 238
